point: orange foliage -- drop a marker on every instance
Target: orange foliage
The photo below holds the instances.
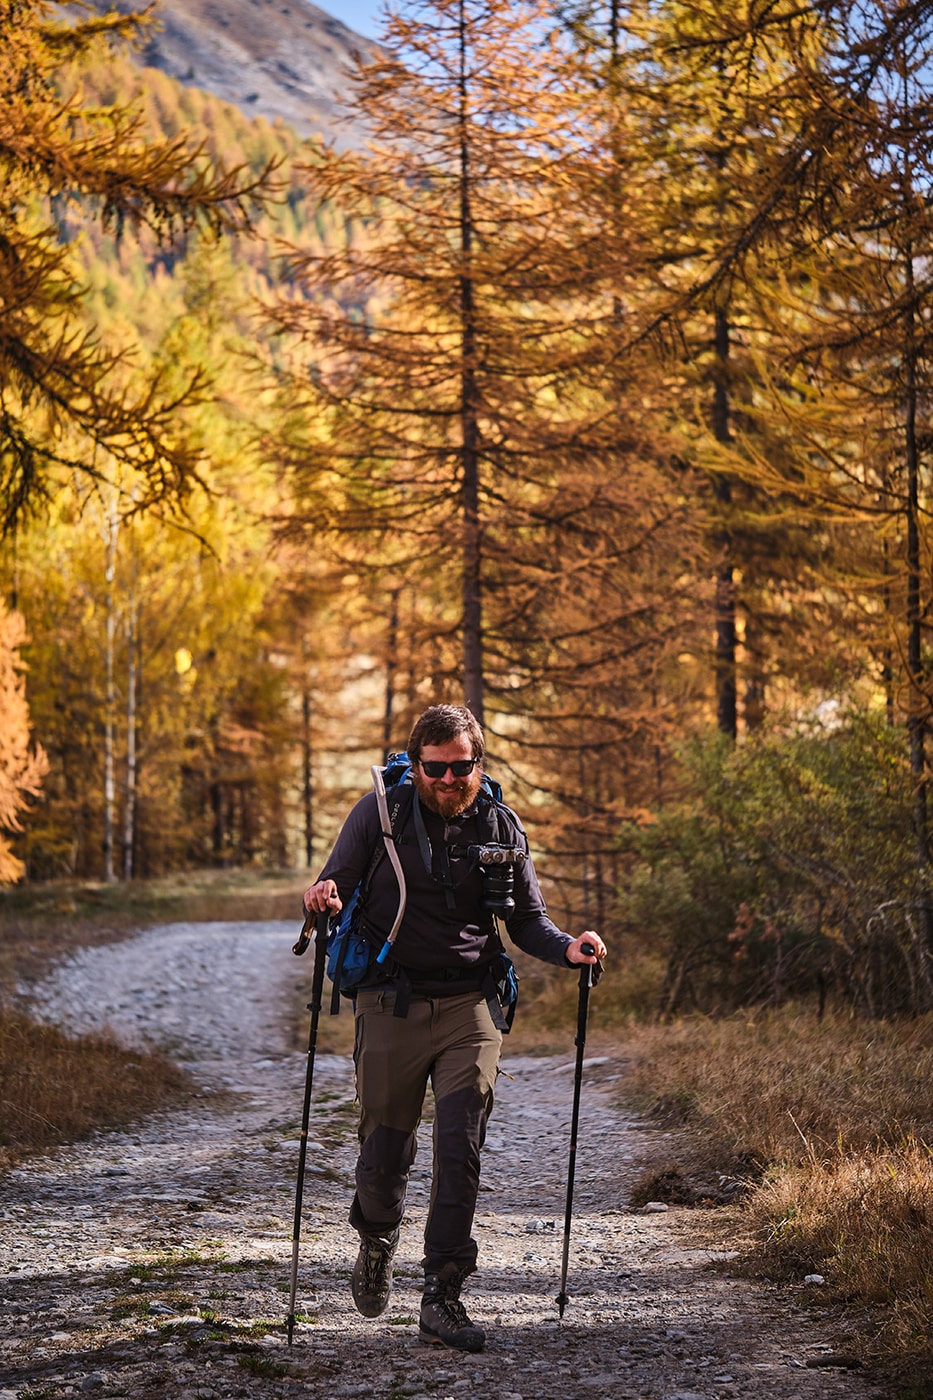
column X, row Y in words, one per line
column 21, row 768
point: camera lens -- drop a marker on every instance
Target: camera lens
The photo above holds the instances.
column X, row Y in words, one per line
column 497, row 864
column 497, row 889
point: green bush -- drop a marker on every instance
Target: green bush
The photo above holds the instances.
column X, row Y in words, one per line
column 789, row 869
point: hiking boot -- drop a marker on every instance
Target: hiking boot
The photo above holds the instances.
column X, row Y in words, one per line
column 444, row 1319
column 372, row 1273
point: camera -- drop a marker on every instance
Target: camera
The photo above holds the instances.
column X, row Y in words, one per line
column 497, row 864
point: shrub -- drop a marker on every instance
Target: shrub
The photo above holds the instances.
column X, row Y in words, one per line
column 789, row 869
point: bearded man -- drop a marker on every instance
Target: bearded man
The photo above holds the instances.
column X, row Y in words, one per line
column 428, row 1018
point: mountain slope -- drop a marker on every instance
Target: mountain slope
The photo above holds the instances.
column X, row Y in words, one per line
column 274, row 58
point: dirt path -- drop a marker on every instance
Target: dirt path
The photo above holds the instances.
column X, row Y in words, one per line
column 156, row 1262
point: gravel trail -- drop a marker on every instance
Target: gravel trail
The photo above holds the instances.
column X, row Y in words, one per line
column 155, row 1262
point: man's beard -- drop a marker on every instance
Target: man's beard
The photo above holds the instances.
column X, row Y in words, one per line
column 460, row 794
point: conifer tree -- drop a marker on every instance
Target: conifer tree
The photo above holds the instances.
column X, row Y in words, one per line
column 200, row 734
column 719, row 113
column 424, row 386
column 857, row 355
column 515, row 506
column 155, row 688
column 65, row 405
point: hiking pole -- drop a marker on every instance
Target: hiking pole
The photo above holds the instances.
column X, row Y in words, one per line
column 590, row 974
column 314, row 1006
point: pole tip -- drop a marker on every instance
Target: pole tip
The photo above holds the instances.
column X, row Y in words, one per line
column 290, row 1326
column 562, row 1301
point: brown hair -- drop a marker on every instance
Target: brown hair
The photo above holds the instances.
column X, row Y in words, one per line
column 441, row 723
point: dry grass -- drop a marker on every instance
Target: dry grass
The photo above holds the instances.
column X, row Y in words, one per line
column 832, row 1121
column 55, row 1089
column 781, row 1087
column 865, row 1222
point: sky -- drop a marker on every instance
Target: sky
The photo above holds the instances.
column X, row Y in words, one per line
column 361, row 15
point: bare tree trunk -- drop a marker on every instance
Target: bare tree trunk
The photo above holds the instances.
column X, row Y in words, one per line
column 472, row 530
column 218, row 823
column 14, row 580
column 308, row 774
column 391, row 670
column 725, row 669
column 887, row 655
column 129, row 804
column 598, row 867
column 111, row 528
column 754, row 708
column 916, row 720
column 584, row 843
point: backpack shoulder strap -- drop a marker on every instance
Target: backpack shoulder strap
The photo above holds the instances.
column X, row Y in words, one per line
column 399, row 801
column 504, row 825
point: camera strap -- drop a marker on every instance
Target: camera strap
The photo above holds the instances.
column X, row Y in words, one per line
column 427, row 854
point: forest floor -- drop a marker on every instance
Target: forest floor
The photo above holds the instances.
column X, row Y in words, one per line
column 156, row 1261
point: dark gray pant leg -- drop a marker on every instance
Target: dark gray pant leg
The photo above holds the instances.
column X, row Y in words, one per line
column 382, row 1180
column 459, row 1134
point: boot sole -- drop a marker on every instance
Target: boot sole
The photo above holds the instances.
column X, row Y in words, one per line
column 368, row 1311
column 432, row 1339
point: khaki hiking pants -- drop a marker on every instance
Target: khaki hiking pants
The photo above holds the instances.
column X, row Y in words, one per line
column 451, row 1043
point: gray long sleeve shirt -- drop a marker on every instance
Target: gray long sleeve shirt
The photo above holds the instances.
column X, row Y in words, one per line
column 444, row 928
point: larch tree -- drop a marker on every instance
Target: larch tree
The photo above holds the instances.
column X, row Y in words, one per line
column 858, row 361
column 155, row 682
column 66, row 407
column 422, row 332
column 709, row 95
column 458, row 447
column 609, row 615
column 827, row 252
column 732, row 110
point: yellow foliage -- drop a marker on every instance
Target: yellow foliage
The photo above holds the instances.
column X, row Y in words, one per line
column 21, row 768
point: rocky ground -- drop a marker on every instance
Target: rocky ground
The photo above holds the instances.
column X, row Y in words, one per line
column 156, row 1262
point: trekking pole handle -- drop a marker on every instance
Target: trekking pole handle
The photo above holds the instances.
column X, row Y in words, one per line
column 304, row 937
column 590, row 973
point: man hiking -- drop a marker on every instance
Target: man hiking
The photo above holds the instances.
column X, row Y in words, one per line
column 429, row 1014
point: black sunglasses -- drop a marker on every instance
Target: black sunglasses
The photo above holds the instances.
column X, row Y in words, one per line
column 436, row 767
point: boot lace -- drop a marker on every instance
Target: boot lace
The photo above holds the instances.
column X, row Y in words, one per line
column 456, row 1311
column 376, row 1256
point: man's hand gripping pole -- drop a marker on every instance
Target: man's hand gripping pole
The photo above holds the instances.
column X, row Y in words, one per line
column 590, row 974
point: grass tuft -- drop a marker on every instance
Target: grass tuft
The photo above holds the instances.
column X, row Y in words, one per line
column 864, row 1221
column 56, row 1088
column 262, row 1366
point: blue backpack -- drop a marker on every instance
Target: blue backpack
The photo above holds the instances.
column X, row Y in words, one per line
column 351, row 955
